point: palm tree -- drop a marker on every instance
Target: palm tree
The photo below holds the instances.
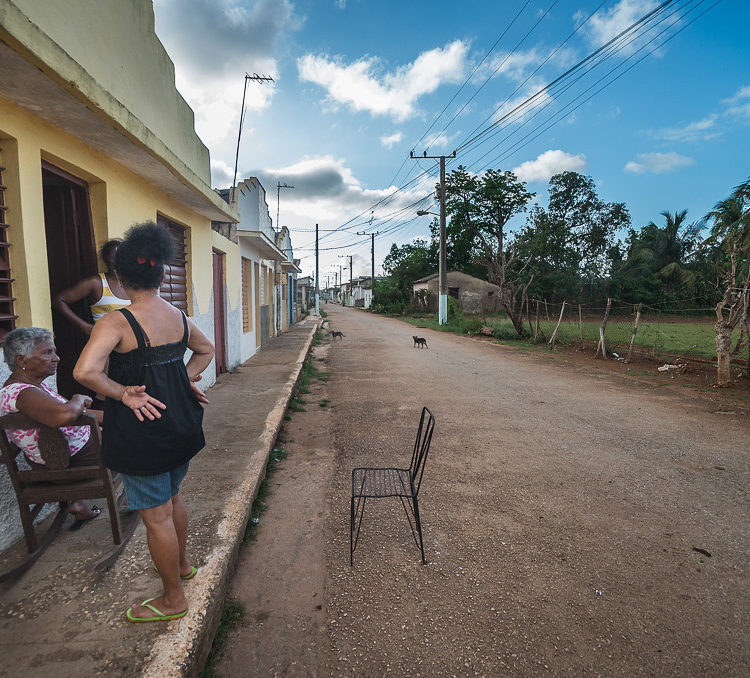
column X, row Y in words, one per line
column 731, row 227
column 665, row 249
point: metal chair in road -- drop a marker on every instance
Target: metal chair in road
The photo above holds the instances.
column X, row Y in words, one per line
column 404, row 483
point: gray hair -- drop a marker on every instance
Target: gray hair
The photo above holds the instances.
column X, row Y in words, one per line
column 23, row 341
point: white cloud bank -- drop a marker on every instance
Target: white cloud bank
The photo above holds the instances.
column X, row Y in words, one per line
column 657, row 163
column 605, row 25
column 213, row 43
column 359, row 85
column 548, row 164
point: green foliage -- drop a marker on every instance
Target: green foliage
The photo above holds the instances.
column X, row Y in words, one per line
column 403, row 266
column 454, row 309
column 232, row 617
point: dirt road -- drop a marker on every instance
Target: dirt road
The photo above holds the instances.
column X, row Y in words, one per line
column 561, row 509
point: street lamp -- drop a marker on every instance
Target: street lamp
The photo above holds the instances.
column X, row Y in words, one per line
column 442, row 272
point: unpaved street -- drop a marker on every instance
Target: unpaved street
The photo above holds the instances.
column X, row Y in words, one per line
column 561, row 509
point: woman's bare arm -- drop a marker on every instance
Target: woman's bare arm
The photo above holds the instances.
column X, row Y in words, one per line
column 86, row 288
column 89, row 370
column 49, row 411
column 203, row 351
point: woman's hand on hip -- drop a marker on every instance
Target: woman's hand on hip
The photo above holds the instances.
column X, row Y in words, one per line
column 143, row 405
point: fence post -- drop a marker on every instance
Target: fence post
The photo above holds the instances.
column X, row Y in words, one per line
column 559, row 320
column 546, row 310
column 601, row 331
column 635, row 329
column 580, row 323
column 536, row 329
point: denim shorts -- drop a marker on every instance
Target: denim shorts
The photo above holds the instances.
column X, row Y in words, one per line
column 145, row 492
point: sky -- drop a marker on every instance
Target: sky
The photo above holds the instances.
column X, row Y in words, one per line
column 659, row 118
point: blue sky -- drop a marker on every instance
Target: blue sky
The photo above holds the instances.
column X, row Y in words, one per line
column 359, row 82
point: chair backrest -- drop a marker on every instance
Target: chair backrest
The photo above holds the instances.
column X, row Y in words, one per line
column 53, row 446
column 421, row 448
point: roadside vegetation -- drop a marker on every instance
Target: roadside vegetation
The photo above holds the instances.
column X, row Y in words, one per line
column 572, row 250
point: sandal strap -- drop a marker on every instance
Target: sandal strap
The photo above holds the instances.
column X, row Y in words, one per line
column 146, row 602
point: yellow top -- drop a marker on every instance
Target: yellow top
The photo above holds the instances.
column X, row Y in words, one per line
column 108, row 302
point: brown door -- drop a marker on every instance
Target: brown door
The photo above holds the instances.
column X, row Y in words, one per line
column 71, row 256
column 219, row 314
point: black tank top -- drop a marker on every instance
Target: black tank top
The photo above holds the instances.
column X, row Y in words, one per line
column 151, row 447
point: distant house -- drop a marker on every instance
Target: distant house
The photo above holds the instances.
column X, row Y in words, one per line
column 305, row 293
column 474, row 294
column 359, row 291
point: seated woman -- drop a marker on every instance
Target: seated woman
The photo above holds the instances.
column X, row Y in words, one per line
column 30, row 354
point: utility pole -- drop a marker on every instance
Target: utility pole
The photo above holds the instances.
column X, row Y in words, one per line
column 317, row 262
column 279, row 186
column 349, row 256
column 256, row 78
column 372, row 254
column 341, row 279
column 443, row 273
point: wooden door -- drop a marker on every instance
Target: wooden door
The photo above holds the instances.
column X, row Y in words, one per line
column 220, row 324
column 71, row 256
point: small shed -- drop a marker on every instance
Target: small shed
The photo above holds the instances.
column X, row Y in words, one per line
column 474, row 294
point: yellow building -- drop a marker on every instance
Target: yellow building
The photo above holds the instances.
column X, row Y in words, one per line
column 95, row 137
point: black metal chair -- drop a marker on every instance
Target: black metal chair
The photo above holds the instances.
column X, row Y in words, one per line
column 404, row 483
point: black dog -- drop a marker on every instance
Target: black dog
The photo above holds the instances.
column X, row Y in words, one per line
column 335, row 334
column 420, row 341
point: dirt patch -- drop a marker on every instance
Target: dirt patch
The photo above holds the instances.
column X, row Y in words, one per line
column 280, row 577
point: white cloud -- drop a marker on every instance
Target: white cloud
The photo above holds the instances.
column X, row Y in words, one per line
column 700, row 130
column 738, row 105
column 234, row 39
column 657, row 163
column 360, row 86
column 548, row 164
column 391, row 140
column 605, row 25
column 221, row 173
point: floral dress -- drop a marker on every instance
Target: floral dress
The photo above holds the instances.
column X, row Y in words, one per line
column 28, row 441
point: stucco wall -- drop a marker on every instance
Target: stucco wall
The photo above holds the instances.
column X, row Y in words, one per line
column 115, row 44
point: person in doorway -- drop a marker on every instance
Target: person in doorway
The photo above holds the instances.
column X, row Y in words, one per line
column 153, row 409
column 30, row 354
column 103, row 292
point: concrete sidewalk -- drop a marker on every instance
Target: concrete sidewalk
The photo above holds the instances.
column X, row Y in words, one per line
column 60, row 619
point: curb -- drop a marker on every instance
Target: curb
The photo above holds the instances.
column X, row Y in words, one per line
column 182, row 652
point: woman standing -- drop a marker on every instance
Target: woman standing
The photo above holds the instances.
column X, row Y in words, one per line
column 153, row 417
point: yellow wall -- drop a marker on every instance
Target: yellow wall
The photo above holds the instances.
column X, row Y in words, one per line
column 119, row 199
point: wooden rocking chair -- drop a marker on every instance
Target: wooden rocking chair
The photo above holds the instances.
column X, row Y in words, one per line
column 61, row 484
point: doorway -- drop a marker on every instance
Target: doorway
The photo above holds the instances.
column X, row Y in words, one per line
column 219, row 313
column 71, row 256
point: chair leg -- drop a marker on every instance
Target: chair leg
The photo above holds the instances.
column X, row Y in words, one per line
column 356, row 516
column 114, row 517
column 419, row 528
column 27, row 522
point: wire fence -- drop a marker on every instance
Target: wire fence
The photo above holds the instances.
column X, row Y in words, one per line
column 618, row 329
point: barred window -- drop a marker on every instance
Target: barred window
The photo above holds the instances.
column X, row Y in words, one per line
column 7, row 316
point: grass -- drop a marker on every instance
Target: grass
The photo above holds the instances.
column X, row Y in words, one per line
column 259, row 505
column 665, row 335
column 323, row 314
column 232, row 617
column 296, row 404
column 324, row 402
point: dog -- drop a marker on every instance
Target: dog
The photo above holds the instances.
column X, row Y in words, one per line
column 335, row 334
column 420, row 341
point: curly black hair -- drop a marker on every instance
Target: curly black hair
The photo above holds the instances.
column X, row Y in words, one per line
column 140, row 257
column 108, row 251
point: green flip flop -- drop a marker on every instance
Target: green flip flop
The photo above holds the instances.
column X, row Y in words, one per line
column 160, row 616
column 185, row 577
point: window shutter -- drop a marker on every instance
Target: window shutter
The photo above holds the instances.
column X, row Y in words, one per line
column 247, row 319
column 174, row 286
column 7, row 317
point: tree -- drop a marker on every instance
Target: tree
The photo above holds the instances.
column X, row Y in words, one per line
column 731, row 227
column 482, row 207
column 402, row 266
column 590, row 223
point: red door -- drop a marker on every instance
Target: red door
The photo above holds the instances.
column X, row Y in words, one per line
column 220, row 323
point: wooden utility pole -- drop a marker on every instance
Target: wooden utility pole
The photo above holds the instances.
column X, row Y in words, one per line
column 372, row 255
column 443, row 273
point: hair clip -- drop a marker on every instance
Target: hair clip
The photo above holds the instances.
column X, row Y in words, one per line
column 153, row 263
column 141, row 260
